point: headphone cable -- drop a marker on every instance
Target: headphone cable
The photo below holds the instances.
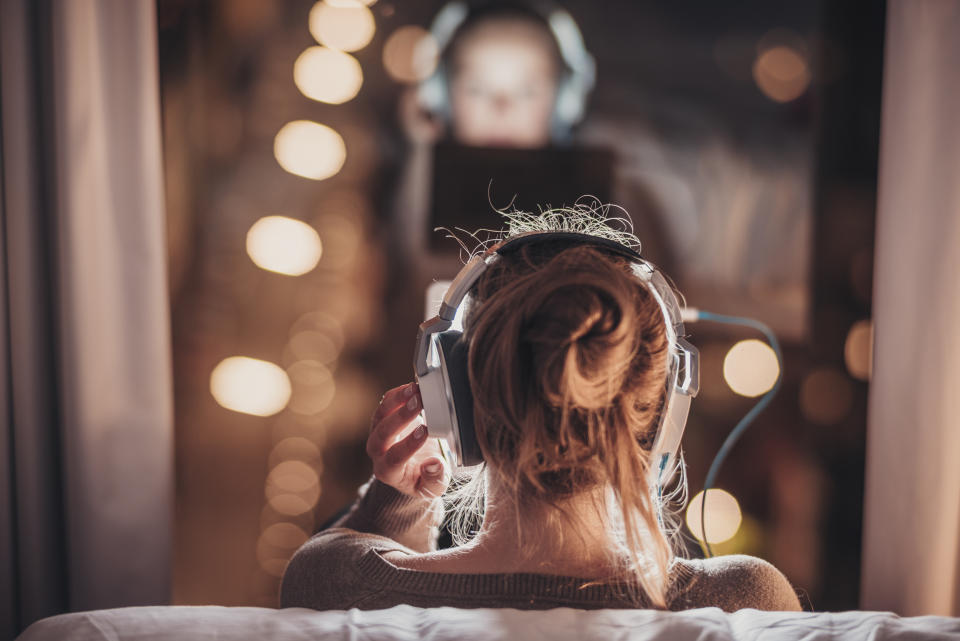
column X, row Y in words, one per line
column 691, row 314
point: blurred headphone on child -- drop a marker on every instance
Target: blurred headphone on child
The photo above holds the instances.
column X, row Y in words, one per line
column 577, row 76
column 441, row 368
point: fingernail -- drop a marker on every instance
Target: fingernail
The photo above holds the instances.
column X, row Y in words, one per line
column 409, row 391
column 420, row 432
column 433, row 469
column 412, row 403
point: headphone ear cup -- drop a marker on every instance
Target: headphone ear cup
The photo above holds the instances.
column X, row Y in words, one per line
column 433, row 94
column 453, row 352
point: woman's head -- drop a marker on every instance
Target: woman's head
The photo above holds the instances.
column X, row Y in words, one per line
column 568, row 368
column 568, row 364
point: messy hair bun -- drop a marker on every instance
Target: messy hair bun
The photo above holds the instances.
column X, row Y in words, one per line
column 567, row 363
column 568, row 356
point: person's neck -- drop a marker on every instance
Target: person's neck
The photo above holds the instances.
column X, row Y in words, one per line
column 540, row 539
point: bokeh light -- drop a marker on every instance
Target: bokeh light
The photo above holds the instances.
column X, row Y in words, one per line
column 327, row 75
column 313, row 387
column 321, row 322
column 410, row 54
column 751, row 368
column 250, row 386
column 342, row 24
column 858, row 350
column 292, row 487
column 723, row 516
column 284, row 245
column 311, row 345
column 276, row 545
column 781, row 73
column 309, row 149
column 826, row 396
column 268, row 516
column 294, row 448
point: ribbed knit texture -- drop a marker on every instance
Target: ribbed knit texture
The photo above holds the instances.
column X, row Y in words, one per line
column 343, row 567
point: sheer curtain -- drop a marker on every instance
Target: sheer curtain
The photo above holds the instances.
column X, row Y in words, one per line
column 911, row 557
column 85, row 387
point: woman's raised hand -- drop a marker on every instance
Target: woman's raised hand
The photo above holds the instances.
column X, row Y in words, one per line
column 405, row 458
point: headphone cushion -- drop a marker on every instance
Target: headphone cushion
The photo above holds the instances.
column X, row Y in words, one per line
column 454, row 351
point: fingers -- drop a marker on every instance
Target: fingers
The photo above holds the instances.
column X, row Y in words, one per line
column 406, row 447
column 384, row 431
column 393, row 399
column 433, row 479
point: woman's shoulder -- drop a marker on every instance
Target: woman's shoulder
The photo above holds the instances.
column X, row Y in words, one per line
column 323, row 573
column 733, row 582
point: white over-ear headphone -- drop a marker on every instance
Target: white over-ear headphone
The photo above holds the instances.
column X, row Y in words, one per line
column 576, row 81
column 441, row 365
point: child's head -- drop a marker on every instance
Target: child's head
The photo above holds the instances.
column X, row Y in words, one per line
column 504, row 68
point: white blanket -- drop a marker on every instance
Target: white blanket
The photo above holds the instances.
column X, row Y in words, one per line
column 403, row 623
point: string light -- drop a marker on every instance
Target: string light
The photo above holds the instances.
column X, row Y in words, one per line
column 781, row 73
column 250, row 386
column 313, row 387
column 858, row 350
column 750, row 368
column 309, row 149
column 723, row 516
column 346, row 25
column 410, row 54
column 327, row 75
column 284, row 245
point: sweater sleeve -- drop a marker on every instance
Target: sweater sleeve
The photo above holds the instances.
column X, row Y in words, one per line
column 381, row 509
column 737, row 581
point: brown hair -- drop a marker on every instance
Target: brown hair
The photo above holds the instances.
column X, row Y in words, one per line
column 568, row 360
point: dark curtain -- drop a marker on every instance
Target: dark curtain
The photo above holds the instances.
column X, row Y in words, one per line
column 85, row 439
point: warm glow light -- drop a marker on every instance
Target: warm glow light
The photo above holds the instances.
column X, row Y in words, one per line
column 284, row 245
column 410, row 54
column 290, row 504
column 320, row 322
column 858, row 350
column 722, row 515
column 327, row 75
column 291, row 476
column 250, row 386
column 342, row 24
column 309, row 149
column 277, row 544
column 292, row 487
column 781, row 73
column 826, row 396
column 313, row 387
column 750, row 368
column 313, row 346
column 294, row 448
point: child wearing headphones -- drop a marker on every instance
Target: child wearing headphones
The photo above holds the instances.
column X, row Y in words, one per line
column 569, row 365
column 510, row 75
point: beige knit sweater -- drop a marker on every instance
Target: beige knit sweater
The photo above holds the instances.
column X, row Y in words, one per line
column 344, row 567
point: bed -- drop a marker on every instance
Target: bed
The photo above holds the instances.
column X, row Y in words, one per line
column 402, row 623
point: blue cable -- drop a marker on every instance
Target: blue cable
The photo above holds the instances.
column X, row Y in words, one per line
column 745, row 422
